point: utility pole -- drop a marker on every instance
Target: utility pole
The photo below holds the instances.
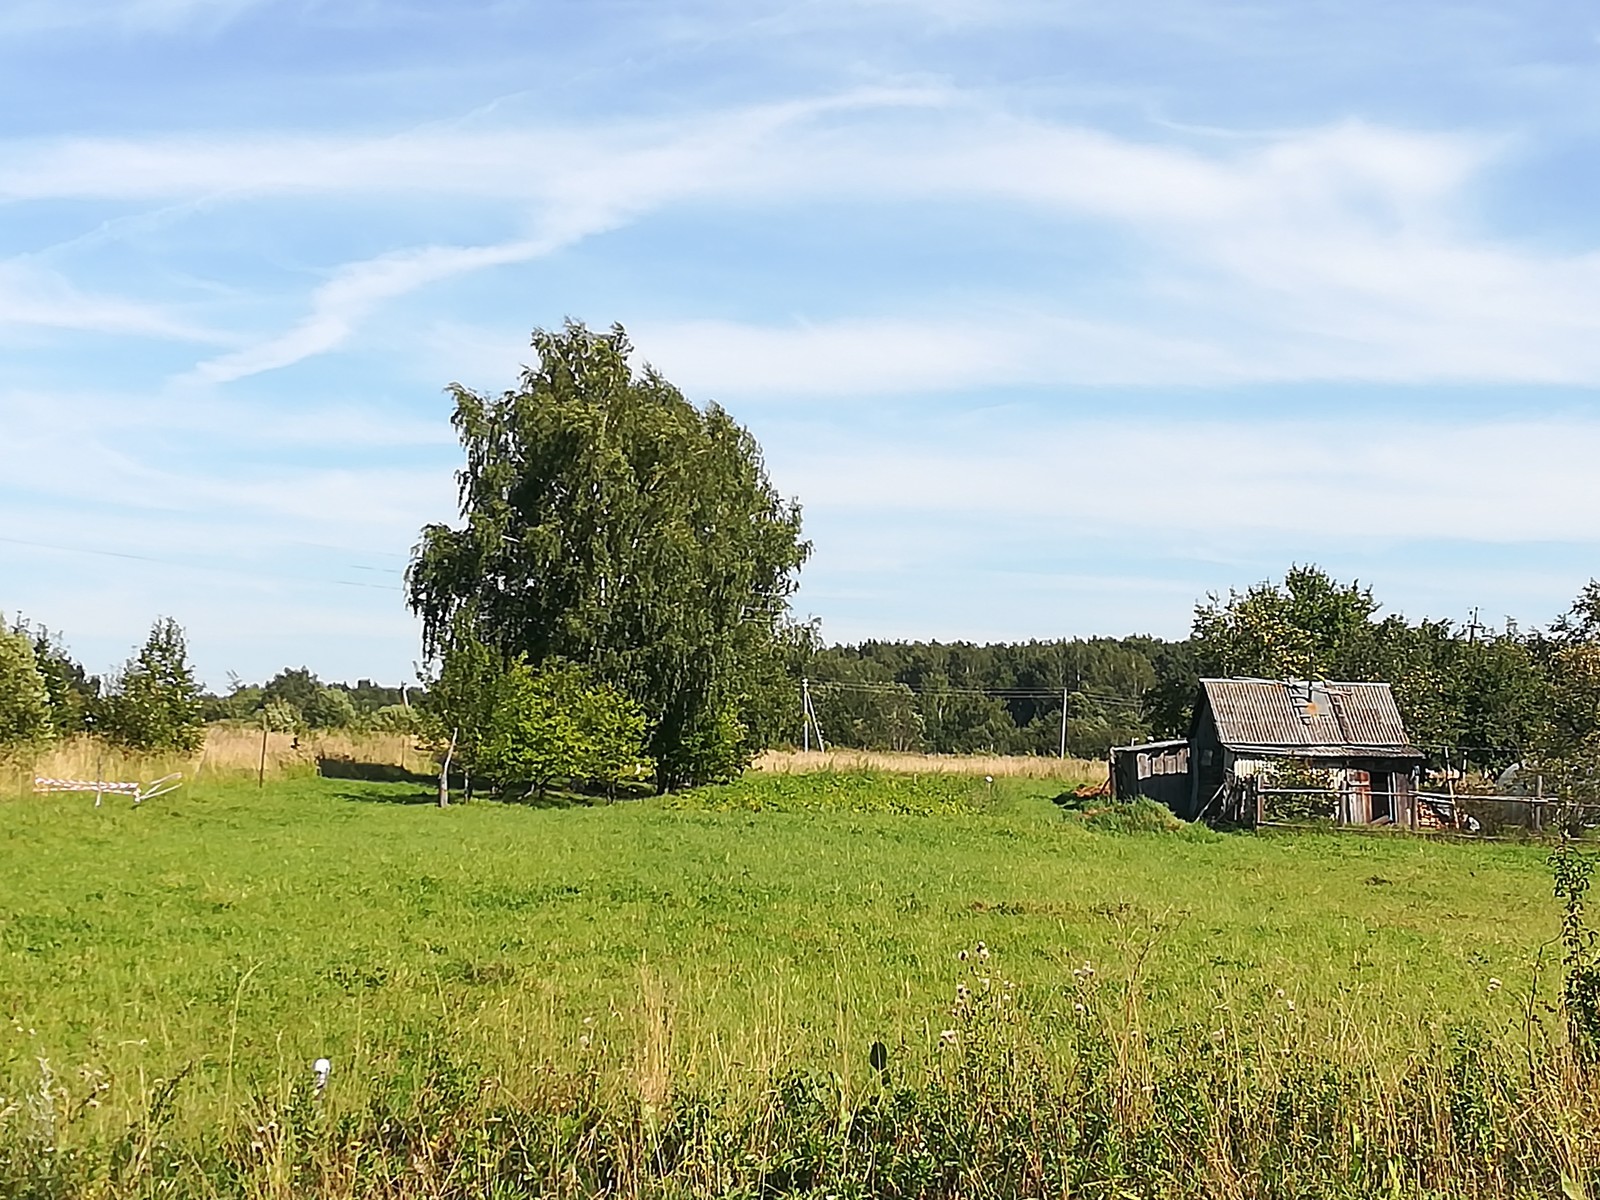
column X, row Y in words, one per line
column 805, row 712
column 811, row 717
column 1063, row 722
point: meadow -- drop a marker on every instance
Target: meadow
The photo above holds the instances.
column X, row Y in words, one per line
column 896, row 984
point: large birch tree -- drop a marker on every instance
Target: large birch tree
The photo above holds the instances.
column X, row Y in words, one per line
column 608, row 521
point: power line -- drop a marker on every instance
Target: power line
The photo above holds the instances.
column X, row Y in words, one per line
column 191, row 566
column 888, row 688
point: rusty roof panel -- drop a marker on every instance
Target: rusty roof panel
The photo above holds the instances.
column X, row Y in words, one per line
column 1306, row 717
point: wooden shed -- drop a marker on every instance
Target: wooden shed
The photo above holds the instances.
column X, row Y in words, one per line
column 1156, row 770
column 1341, row 747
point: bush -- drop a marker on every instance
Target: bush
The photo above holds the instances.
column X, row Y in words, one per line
column 24, row 701
column 394, row 718
column 1136, row 816
column 155, row 703
column 555, row 724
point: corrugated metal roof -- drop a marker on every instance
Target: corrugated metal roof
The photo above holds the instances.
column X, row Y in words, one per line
column 1309, row 718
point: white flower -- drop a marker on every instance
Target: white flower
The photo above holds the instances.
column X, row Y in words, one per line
column 1494, row 984
column 948, row 1037
column 321, row 1070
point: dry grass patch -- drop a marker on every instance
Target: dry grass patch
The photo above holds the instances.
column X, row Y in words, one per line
column 228, row 751
column 794, row 762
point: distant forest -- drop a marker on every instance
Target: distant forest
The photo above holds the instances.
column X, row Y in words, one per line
column 1005, row 698
column 1469, row 692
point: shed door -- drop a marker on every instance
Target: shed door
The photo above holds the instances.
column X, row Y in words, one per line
column 1382, row 812
column 1360, row 797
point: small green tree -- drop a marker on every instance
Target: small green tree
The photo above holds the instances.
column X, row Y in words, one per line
column 330, row 708
column 24, row 700
column 74, row 693
column 557, row 724
column 155, row 702
column 457, row 714
column 394, row 718
column 718, row 743
column 280, row 716
column 614, row 730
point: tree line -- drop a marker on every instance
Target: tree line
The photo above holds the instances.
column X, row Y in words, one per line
column 1473, row 692
column 152, row 703
column 963, row 698
column 155, row 702
column 613, row 606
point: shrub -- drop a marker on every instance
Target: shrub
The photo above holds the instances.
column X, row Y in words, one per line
column 556, row 724
column 155, row 703
column 24, row 700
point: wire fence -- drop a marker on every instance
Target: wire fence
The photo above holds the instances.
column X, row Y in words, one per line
column 1462, row 813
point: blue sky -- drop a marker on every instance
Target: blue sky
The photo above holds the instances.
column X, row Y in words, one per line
column 1054, row 316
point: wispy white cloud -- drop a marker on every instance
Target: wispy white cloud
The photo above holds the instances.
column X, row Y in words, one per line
column 338, row 306
column 1339, row 252
column 37, row 297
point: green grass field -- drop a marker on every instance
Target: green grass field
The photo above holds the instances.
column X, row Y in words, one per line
column 228, row 937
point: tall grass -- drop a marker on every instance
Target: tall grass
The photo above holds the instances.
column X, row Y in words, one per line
column 228, row 752
column 681, row 999
column 1065, row 1093
column 788, row 762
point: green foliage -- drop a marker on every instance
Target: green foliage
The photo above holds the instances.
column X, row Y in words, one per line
column 330, row 708
column 459, row 710
column 394, row 718
column 1310, row 627
column 556, row 724
column 1455, row 686
column 25, row 706
column 610, row 522
column 154, row 704
column 1580, row 945
column 510, row 724
column 295, row 700
column 1141, row 815
column 74, row 693
column 280, row 716
column 929, row 696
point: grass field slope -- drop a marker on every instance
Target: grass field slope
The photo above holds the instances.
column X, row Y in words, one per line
column 843, row 983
